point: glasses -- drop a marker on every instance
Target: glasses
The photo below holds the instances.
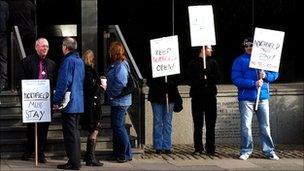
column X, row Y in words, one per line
column 248, row 45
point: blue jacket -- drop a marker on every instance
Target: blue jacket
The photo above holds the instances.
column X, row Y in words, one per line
column 71, row 78
column 117, row 76
column 245, row 79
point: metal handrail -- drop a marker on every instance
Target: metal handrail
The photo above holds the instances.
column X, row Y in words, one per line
column 138, row 73
column 20, row 44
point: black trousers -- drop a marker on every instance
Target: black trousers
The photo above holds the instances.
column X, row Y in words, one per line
column 204, row 108
column 42, row 131
column 71, row 136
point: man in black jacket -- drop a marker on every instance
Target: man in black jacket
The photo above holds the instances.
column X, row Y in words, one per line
column 203, row 91
column 38, row 66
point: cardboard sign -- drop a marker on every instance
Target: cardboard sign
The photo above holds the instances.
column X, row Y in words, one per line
column 202, row 30
column 267, row 49
column 36, row 101
column 165, row 56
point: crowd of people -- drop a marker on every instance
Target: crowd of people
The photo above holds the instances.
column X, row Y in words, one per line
column 77, row 78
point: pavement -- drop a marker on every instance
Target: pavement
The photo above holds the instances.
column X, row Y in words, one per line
column 226, row 159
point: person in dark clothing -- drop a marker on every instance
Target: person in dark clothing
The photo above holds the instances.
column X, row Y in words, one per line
column 4, row 15
column 38, row 66
column 91, row 119
column 162, row 116
column 203, row 92
column 22, row 14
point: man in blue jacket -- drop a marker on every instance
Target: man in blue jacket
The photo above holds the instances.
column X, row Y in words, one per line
column 248, row 80
column 70, row 79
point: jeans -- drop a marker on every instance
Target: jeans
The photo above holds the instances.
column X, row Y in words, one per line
column 246, row 110
column 162, row 126
column 121, row 141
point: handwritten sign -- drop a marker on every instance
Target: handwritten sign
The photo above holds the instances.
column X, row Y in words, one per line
column 165, row 56
column 267, row 49
column 202, row 30
column 36, row 106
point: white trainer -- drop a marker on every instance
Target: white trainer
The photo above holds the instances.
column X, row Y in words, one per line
column 274, row 157
column 244, row 156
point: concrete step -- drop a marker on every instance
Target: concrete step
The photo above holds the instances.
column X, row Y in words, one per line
column 55, row 130
column 55, row 146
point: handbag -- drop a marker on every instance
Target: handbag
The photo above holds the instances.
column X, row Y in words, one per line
column 131, row 86
column 178, row 103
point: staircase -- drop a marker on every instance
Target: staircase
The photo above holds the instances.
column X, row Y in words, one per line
column 13, row 131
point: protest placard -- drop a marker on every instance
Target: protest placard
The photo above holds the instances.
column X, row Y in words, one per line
column 36, row 105
column 267, row 49
column 165, row 56
column 202, row 30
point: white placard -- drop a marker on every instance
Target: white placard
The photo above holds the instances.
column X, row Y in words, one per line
column 267, row 49
column 202, row 30
column 165, row 56
column 36, row 106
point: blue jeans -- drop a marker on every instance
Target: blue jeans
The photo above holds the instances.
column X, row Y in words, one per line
column 121, row 141
column 162, row 126
column 247, row 111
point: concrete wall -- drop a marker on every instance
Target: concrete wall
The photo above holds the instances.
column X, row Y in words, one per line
column 286, row 116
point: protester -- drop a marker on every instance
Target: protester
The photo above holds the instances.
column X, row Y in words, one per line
column 38, row 66
column 162, row 112
column 70, row 80
column 117, row 76
column 91, row 119
column 203, row 93
column 248, row 80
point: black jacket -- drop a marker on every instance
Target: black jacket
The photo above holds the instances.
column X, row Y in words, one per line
column 158, row 89
column 92, row 98
column 200, row 86
column 29, row 69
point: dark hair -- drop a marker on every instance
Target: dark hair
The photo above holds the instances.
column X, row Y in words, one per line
column 69, row 43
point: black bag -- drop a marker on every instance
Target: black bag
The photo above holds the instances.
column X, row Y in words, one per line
column 131, row 86
column 178, row 103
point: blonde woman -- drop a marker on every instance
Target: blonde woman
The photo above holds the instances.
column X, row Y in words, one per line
column 91, row 119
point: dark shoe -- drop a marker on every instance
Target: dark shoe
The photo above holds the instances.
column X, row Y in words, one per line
column 90, row 154
column 168, row 152
column 121, row 160
column 94, row 163
column 26, row 156
column 67, row 166
column 158, row 151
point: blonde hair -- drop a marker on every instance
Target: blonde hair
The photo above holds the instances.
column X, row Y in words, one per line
column 117, row 52
column 88, row 57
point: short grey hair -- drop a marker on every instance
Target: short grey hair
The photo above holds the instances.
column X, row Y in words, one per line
column 39, row 39
column 69, row 43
